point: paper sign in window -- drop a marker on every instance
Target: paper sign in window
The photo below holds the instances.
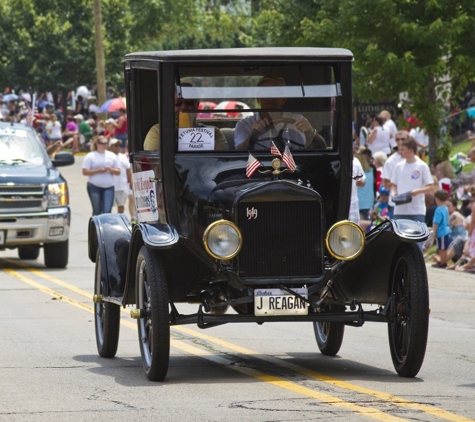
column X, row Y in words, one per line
column 196, row 139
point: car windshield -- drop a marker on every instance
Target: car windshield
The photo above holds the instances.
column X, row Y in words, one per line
column 253, row 108
column 20, row 146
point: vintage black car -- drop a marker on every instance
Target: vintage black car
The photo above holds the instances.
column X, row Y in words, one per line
column 243, row 208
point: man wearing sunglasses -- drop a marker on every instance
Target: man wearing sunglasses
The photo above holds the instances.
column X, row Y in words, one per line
column 186, row 110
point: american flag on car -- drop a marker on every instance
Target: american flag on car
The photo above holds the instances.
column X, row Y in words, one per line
column 252, row 165
column 288, row 159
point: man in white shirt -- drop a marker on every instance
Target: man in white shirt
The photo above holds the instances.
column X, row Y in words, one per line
column 411, row 175
column 390, row 165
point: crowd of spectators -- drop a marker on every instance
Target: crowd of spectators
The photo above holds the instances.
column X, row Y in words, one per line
column 78, row 129
column 399, row 184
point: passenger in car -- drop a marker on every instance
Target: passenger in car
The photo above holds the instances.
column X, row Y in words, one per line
column 152, row 140
column 256, row 132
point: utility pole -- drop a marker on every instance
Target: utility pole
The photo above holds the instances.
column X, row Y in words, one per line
column 100, row 68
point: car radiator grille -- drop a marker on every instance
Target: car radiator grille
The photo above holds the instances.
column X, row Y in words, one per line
column 21, row 198
column 280, row 239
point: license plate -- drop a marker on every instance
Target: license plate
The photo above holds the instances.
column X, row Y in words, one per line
column 268, row 302
column 2, row 237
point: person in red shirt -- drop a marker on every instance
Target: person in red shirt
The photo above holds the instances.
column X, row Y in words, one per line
column 121, row 129
column 109, row 133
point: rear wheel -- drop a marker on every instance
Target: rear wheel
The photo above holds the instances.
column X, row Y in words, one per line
column 153, row 327
column 409, row 310
column 29, row 252
column 329, row 336
column 106, row 318
column 56, row 254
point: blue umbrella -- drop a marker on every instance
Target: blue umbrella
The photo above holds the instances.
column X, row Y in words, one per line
column 471, row 111
column 10, row 97
column 45, row 103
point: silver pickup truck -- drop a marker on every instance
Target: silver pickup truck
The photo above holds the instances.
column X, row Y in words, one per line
column 34, row 197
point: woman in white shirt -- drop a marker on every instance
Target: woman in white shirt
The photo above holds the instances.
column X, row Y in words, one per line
column 100, row 165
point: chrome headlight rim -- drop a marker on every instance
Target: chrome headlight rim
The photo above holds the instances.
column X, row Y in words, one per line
column 208, row 232
column 335, row 227
column 57, row 194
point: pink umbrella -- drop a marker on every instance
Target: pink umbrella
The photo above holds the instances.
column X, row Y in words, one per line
column 114, row 104
column 236, row 106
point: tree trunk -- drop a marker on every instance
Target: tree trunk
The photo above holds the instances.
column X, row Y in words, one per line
column 432, row 129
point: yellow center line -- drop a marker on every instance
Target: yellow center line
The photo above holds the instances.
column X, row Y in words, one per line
column 244, row 351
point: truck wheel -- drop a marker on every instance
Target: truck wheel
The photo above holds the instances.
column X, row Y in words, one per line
column 106, row 318
column 409, row 310
column 154, row 327
column 56, row 254
column 329, row 336
column 29, row 252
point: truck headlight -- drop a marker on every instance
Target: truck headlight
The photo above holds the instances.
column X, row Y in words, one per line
column 222, row 240
column 345, row 240
column 57, row 194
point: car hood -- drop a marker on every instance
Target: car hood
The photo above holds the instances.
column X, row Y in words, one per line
column 28, row 173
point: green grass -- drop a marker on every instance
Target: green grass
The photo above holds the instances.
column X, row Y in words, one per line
column 464, row 147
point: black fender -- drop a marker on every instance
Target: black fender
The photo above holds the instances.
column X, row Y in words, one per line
column 367, row 277
column 110, row 235
column 158, row 235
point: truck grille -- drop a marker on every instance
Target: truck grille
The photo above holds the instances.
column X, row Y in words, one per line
column 283, row 240
column 21, row 198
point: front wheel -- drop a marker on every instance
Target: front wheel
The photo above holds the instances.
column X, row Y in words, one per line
column 409, row 310
column 56, row 254
column 106, row 318
column 29, row 252
column 329, row 336
column 153, row 326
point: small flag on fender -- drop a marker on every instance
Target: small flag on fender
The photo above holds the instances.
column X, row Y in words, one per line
column 288, row 159
column 274, row 150
column 252, row 165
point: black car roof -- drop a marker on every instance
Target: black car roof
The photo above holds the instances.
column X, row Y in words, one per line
column 246, row 54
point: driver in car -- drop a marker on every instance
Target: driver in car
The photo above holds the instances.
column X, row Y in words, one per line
column 258, row 131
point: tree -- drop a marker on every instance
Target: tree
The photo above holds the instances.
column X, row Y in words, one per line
column 49, row 45
column 420, row 47
column 181, row 24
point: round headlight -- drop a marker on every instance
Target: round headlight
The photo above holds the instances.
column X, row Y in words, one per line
column 345, row 240
column 222, row 240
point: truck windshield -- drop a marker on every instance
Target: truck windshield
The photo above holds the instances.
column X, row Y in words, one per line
column 251, row 108
column 20, row 146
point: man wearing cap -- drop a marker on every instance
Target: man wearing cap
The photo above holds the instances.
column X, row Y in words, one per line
column 256, row 132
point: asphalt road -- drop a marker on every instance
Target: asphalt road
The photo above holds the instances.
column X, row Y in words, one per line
column 50, row 370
